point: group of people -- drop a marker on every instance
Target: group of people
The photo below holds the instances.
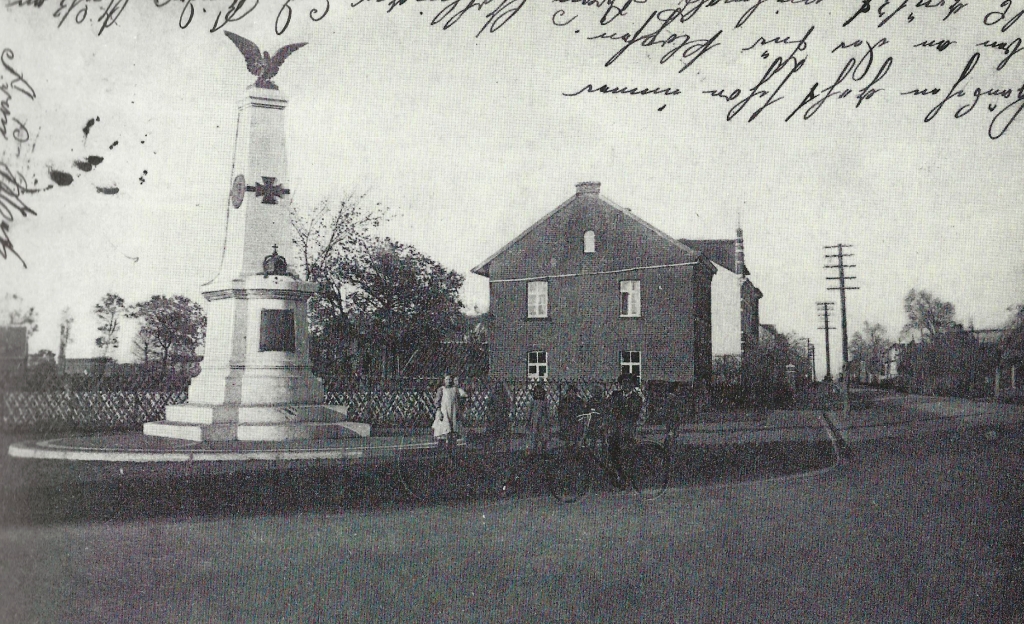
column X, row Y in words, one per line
column 623, row 407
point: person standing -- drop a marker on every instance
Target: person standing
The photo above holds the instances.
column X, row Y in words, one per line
column 539, row 421
column 570, row 407
column 499, row 419
column 447, row 401
column 625, row 405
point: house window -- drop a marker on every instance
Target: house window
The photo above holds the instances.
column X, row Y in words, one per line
column 588, row 241
column 629, row 294
column 537, row 300
column 629, row 363
column 537, row 365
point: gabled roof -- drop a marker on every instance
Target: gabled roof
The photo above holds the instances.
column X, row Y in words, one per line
column 591, row 198
column 720, row 251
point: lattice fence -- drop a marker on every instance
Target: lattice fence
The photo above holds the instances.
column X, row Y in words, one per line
column 406, row 403
column 410, row 403
column 83, row 411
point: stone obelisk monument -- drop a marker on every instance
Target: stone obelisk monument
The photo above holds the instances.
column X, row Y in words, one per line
column 257, row 381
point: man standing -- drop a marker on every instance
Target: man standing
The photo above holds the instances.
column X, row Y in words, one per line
column 539, row 421
column 625, row 405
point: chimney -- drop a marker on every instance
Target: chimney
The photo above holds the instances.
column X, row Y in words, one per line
column 740, row 266
column 588, row 188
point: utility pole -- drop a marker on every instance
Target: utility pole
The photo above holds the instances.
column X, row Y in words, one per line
column 810, row 358
column 824, row 308
column 839, row 258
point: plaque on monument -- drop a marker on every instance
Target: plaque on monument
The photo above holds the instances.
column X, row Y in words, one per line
column 277, row 330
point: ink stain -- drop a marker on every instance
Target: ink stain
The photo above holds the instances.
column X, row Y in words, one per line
column 113, row 145
column 662, row 107
column 88, row 163
column 108, row 190
column 88, row 126
column 142, row 178
column 61, row 178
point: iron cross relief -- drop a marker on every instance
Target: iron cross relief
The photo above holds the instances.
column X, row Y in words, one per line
column 268, row 189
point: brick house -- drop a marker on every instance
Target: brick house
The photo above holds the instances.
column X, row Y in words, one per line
column 591, row 291
column 735, row 301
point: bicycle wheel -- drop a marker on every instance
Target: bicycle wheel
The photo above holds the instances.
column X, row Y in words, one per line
column 523, row 474
column 568, row 475
column 647, row 468
column 424, row 478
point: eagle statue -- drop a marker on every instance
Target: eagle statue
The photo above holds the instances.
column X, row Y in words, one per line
column 262, row 65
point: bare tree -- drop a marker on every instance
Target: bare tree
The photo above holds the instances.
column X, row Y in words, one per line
column 142, row 347
column 175, row 326
column 329, row 232
column 927, row 315
column 330, row 236
column 871, row 346
column 66, row 321
column 109, row 311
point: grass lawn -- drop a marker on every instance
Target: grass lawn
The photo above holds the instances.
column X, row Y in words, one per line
column 918, row 530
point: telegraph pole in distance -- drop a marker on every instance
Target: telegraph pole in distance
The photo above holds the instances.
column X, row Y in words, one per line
column 824, row 308
column 810, row 357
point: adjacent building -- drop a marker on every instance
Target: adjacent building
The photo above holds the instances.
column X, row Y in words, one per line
column 735, row 301
column 13, row 350
column 591, row 291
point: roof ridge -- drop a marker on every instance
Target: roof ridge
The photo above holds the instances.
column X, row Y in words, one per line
column 481, row 269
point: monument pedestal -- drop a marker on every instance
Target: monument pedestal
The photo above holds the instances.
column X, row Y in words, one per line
column 257, row 382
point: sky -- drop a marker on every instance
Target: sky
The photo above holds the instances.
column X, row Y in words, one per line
column 471, row 138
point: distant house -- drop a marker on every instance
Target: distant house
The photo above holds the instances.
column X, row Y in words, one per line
column 86, row 366
column 735, row 307
column 42, row 358
column 591, row 291
column 13, row 350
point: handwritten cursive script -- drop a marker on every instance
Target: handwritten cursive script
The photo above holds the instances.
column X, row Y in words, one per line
column 12, row 187
column 12, row 84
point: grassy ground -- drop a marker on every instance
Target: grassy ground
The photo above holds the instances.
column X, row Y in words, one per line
column 909, row 530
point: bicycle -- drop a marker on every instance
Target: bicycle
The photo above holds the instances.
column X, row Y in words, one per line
column 643, row 466
column 431, row 470
column 435, row 470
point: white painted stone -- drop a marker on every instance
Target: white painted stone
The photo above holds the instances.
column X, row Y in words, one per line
column 196, row 433
column 242, row 392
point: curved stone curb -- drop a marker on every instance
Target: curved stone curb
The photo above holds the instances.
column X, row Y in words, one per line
column 124, row 448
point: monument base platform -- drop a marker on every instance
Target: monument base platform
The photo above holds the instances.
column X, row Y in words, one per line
column 255, row 423
column 270, row 432
column 144, row 449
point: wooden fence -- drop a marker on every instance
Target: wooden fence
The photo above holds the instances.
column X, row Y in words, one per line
column 126, row 403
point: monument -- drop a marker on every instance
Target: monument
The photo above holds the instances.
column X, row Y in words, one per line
column 256, row 381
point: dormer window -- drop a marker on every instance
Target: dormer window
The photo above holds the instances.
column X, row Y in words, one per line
column 588, row 241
